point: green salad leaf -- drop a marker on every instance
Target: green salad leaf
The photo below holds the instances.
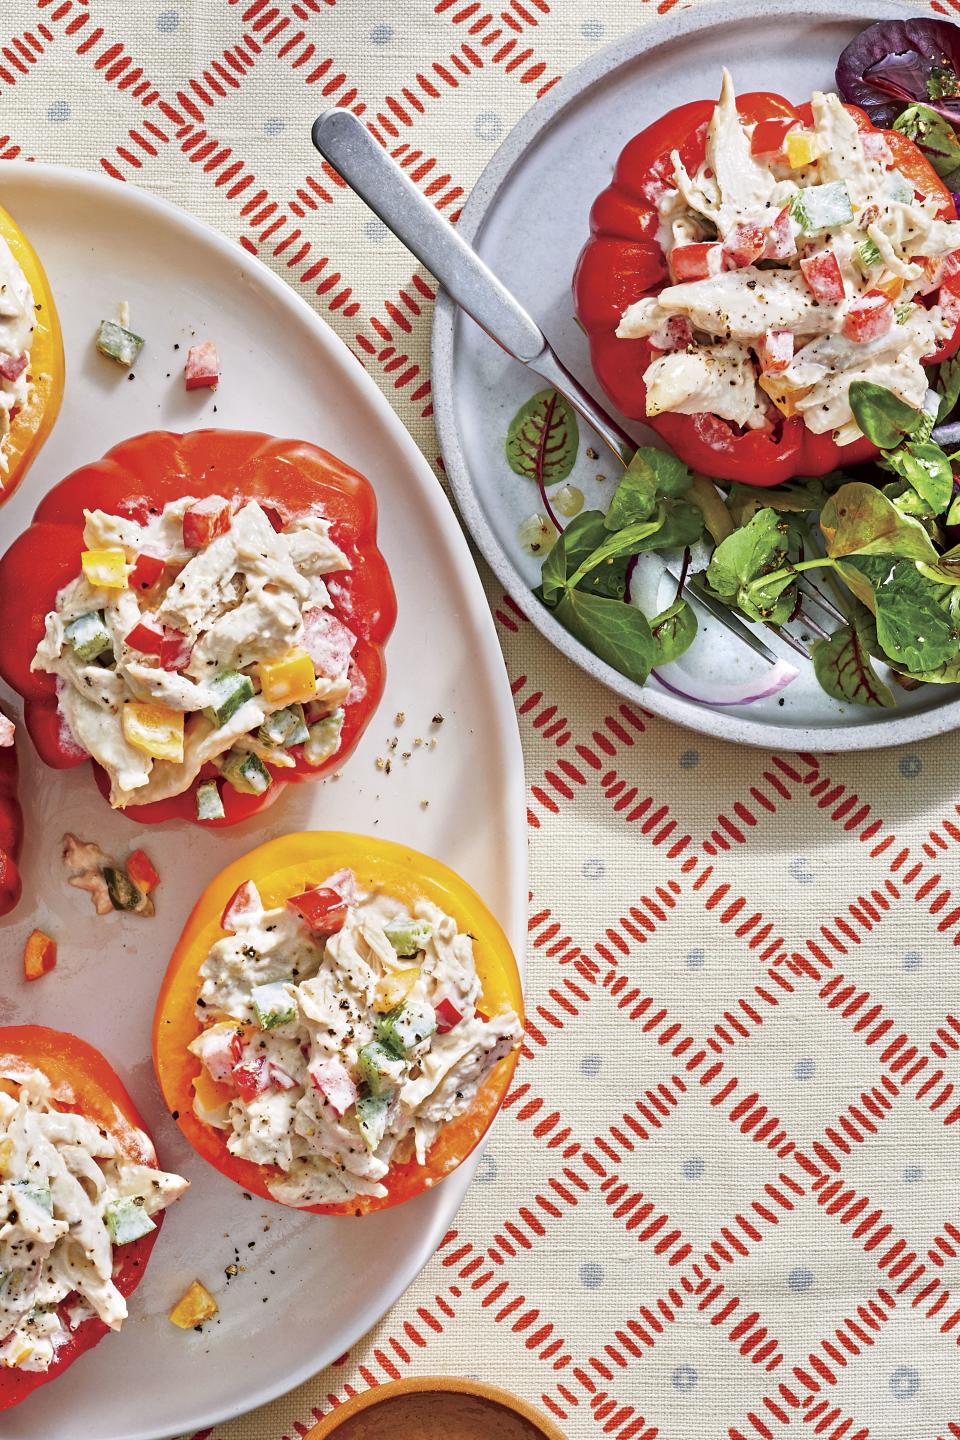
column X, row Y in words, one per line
column 617, row 633
column 947, row 386
column 543, row 439
column 882, row 416
column 927, row 468
column 936, row 138
column 652, row 475
column 747, row 569
column 914, row 624
column 860, row 520
column 843, row 666
column 674, row 631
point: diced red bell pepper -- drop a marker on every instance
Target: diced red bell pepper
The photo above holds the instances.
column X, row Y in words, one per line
column 13, row 366
column 869, row 317
column 677, row 334
column 146, row 571
column 251, row 1077
column 280, row 1077
column 335, row 1082
column 176, row 650
column 782, row 237
column 345, row 884
column 775, row 350
column 39, row 955
column 322, row 911
column 447, row 1015
column 695, row 262
column 743, row 245
column 274, row 515
column 203, row 366
column 205, row 520
column 146, row 636
column 141, row 871
column 327, row 641
column 244, row 901
column 823, row 276
column 222, row 1050
column 769, row 135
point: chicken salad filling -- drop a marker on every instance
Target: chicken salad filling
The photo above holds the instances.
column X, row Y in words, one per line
column 799, row 260
column 71, row 1196
column 346, row 1025
column 16, row 340
column 201, row 634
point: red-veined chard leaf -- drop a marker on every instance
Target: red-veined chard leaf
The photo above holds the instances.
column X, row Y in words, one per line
column 543, row 439
column 843, row 666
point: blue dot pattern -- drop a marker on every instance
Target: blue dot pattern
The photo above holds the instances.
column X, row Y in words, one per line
column 590, row 1065
column 168, row 21
column 684, row 1379
column 801, row 872
column 692, row 1168
column 696, row 959
column 912, row 1174
column 910, row 766
column 489, row 126
column 689, row 759
column 593, row 869
column 381, row 34
column 800, row 1278
column 487, row 1169
column 274, row 126
column 904, row 1382
column 58, row 111
column 591, row 1275
column 912, row 960
column 592, row 29
column 805, row 1069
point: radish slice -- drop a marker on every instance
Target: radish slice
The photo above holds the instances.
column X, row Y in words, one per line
column 755, row 688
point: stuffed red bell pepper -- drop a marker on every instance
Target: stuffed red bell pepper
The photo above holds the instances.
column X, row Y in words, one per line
column 81, row 1204
column 11, row 819
column 338, row 1024
column 204, row 616
column 749, row 260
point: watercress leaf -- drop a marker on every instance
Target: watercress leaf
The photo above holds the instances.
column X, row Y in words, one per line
column 882, row 416
column 914, row 626
column 613, row 631
column 937, row 139
column 907, row 500
column 947, row 386
column 842, row 665
column 651, row 475
column 674, row 631
column 543, row 439
column 583, row 534
column 756, row 547
column 857, row 575
column 682, row 526
column 623, row 542
column 861, row 520
column 800, row 498
column 927, row 469
column 609, row 579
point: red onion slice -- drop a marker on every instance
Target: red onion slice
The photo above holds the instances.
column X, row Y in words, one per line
column 754, row 688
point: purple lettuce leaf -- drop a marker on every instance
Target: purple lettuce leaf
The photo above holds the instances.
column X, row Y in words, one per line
column 896, row 63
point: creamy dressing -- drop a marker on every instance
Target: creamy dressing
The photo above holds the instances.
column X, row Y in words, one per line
column 249, row 595
column 64, row 1183
column 16, row 340
column 719, row 369
column 328, row 1002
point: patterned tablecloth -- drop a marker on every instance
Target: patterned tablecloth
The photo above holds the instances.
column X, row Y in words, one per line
column 722, row 1199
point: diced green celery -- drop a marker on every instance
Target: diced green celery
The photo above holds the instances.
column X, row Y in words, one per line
column 408, row 936
column 372, row 1117
column 822, row 207
column 324, row 739
column 124, row 895
column 246, row 773
column 285, row 727
column 227, row 692
column 379, row 1067
column 87, row 635
column 403, row 1028
column 900, row 188
column 903, row 312
column 127, row 1219
column 273, row 1005
column 868, row 255
column 209, row 803
column 118, row 344
column 39, row 1194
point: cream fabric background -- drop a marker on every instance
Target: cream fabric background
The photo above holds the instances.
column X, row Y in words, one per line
column 723, row 1197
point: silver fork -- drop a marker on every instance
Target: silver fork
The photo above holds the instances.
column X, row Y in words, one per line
column 344, row 140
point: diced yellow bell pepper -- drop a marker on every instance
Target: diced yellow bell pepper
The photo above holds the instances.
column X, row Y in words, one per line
column 289, row 681
column 394, row 988
column 155, row 729
column 22, row 1356
column 802, row 147
column 106, row 569
column 892, row 288
column 193, row 1307
column 6, row 1150
column 785, row 397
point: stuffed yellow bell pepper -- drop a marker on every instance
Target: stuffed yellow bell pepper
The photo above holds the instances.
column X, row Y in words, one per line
column 31, row 356
column 339, row 1022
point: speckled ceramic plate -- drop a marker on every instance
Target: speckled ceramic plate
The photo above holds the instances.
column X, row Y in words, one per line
column 528, row 216
column 308, row 1285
